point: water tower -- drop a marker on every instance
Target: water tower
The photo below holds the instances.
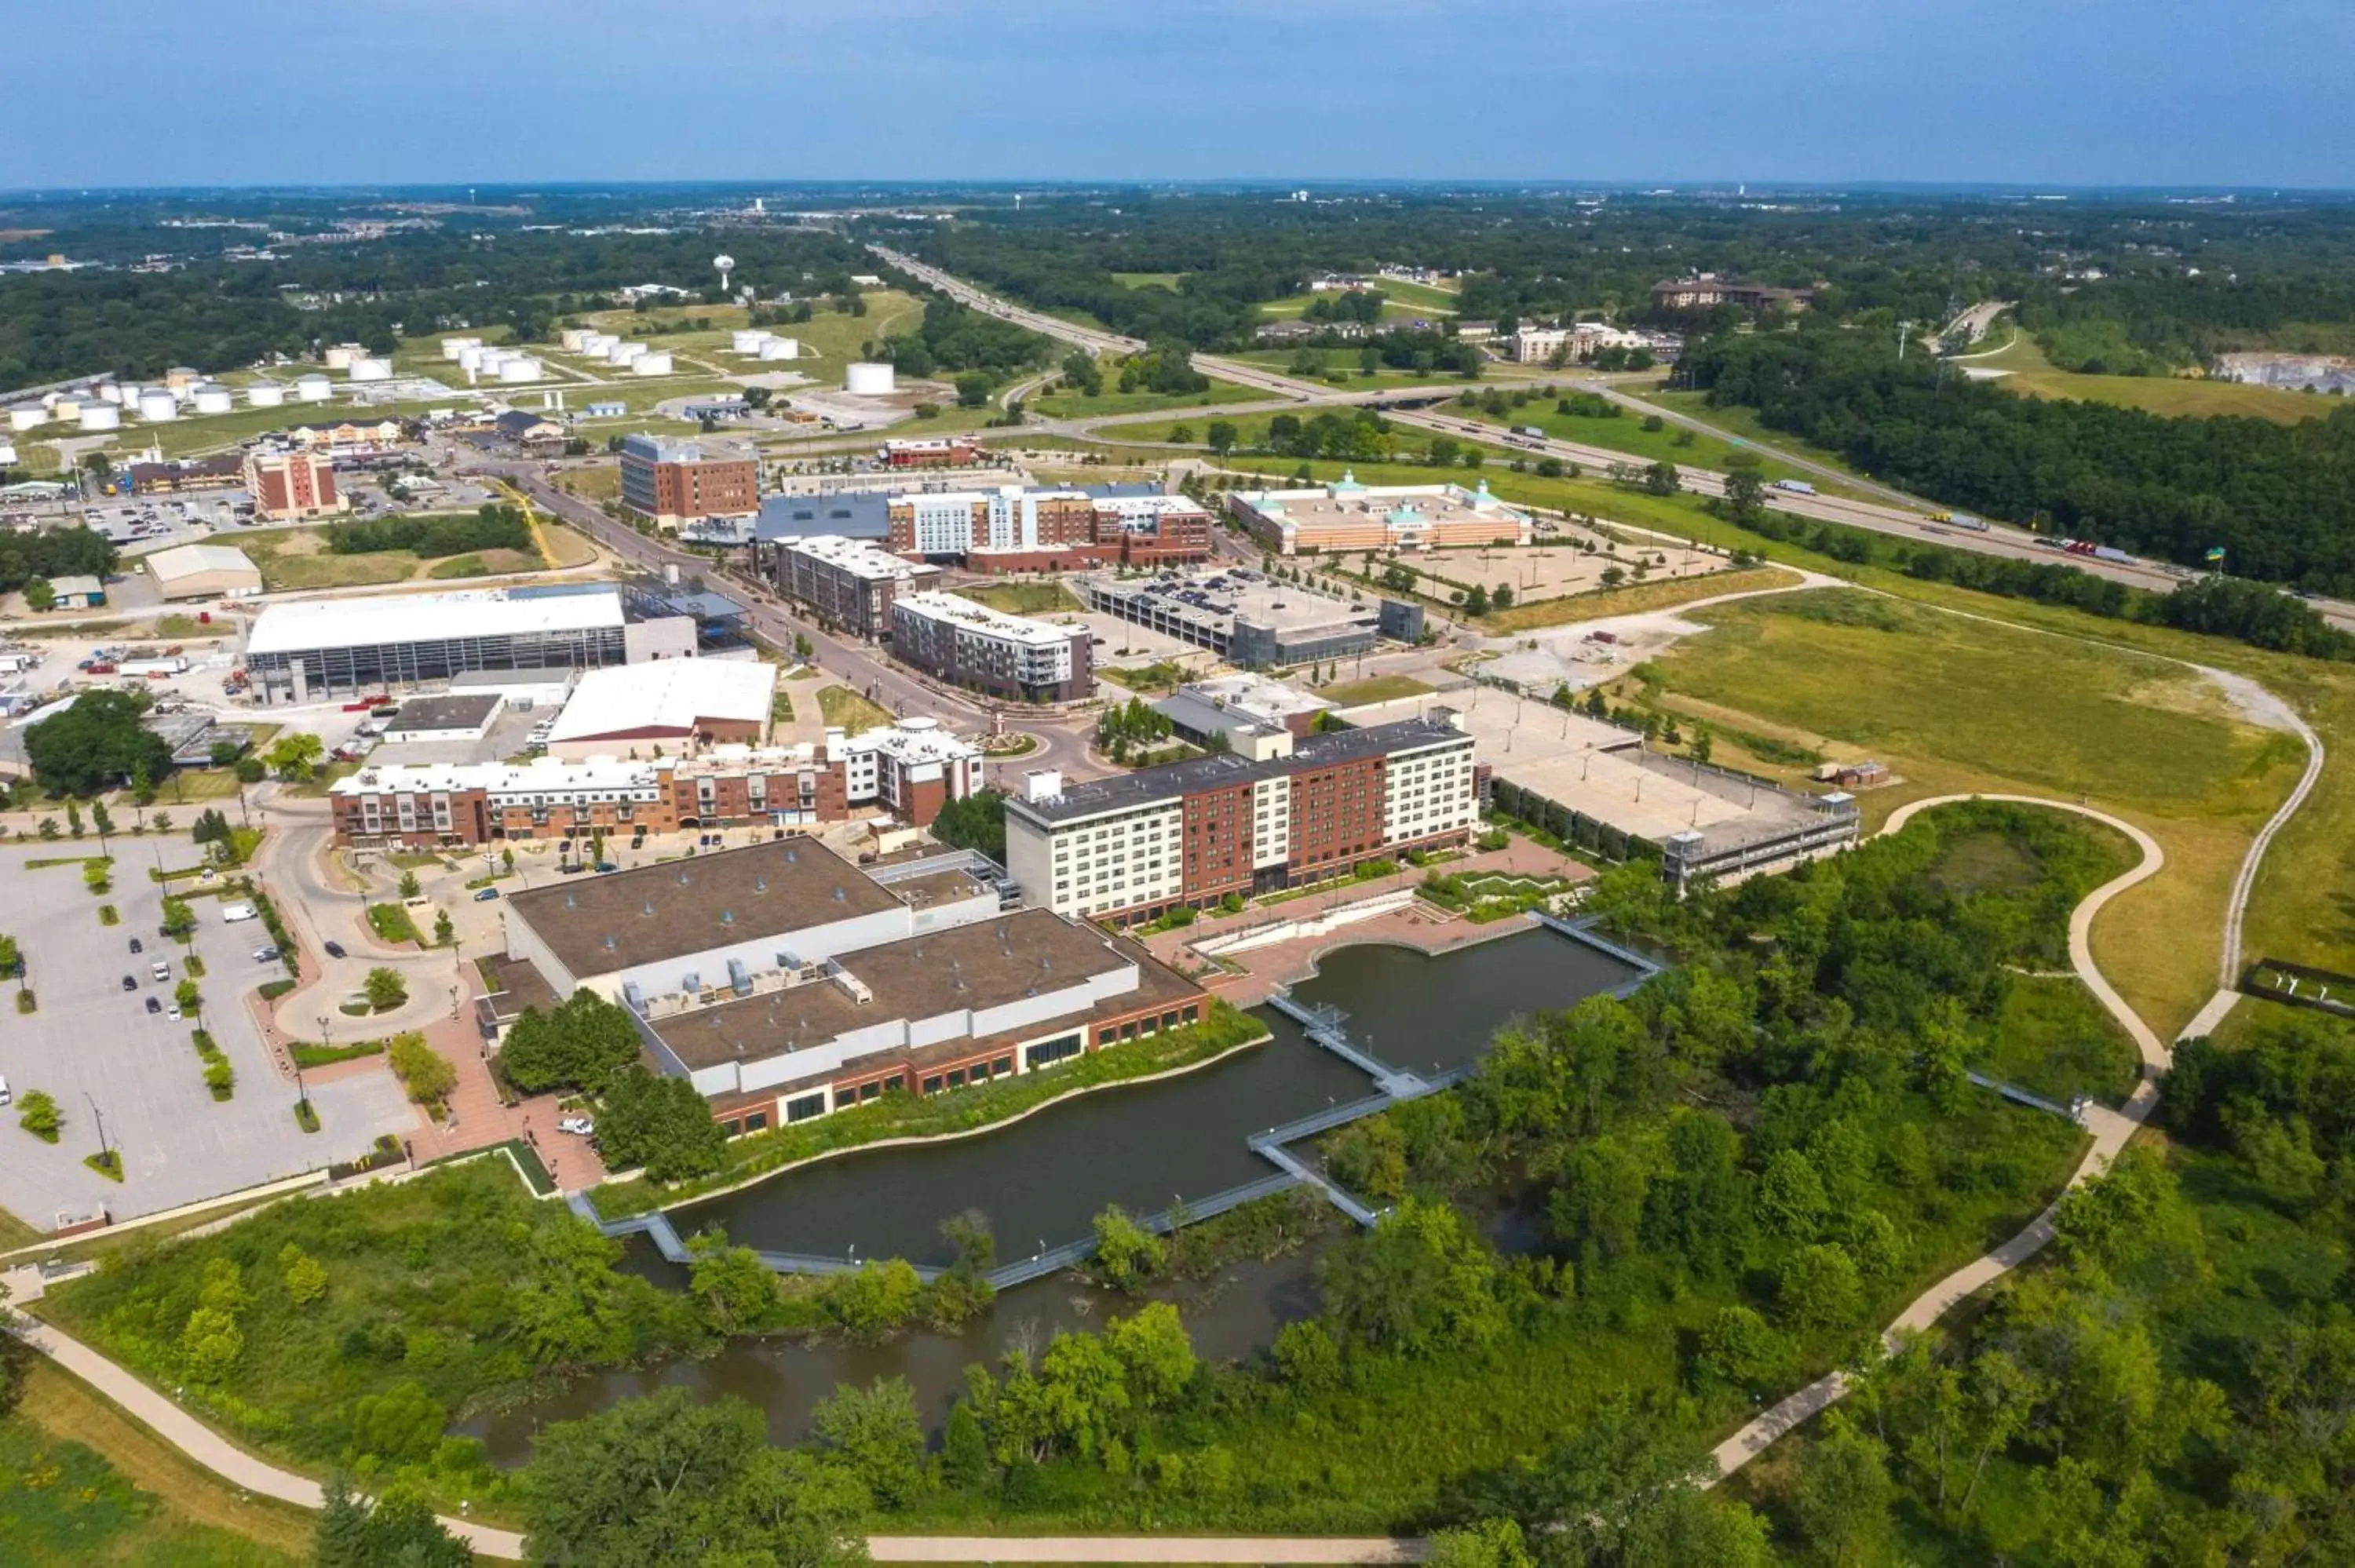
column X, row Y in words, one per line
column 723, row 265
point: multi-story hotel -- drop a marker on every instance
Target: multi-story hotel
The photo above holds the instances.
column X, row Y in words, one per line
column 1018, row 527
column 1130, row 848
column 674, row 481
column 290, row 482
column 970, row 644
column 909, row 770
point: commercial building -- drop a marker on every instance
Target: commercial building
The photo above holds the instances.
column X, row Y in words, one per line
column 526, row 428
column 674, row 481
column 1346, row 515
column 365, row 645
column 224, row 471
column 938, row 451
column 1576, row 341
column 453, row 716
column 292, row 483
column 851, row 514
column 908, row 770
column 786, row 984
column 203, row 571
column 1248, row 713
column 848, row 583
column 1707, row 288
column 671, row 702
column 1131, row 847
column 1249, row 619
column 78, row 593
column 347, row 437
column 970, row 644
column 1015, row 527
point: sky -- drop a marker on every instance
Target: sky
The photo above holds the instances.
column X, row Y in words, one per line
column 2055, row 92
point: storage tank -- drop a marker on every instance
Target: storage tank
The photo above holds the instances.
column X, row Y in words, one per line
column 570, row 338
column 748, row 340
column 210, row 397
column 64, row 405
column 868, row 379
column 782, row 348
column 98, row 416
column 651, row 363
column 266, row 395
column 312, row 389
column 157, row 404
column 519, row 368
column 109, row 392
column 471, row 358
column 366, row 369
column 28, row 417
column 598, row 344
column 623, row 352
column 451, row 345
column 340, row 357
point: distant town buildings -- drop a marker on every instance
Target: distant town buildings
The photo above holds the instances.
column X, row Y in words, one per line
column 1015, row 527
column 1250, row 620
column 673, row 481
column 1704, row 290
column 938, row 451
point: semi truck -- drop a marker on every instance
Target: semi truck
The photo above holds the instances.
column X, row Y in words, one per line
column 156, row 669
column 1794, row 487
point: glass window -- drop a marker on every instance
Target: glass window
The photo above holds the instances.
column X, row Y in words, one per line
column 803, row 1106
column 754, row 1121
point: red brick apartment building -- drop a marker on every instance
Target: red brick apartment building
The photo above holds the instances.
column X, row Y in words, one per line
column 291, row 485
column 674, row 481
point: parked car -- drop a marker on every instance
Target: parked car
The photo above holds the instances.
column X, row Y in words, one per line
column 159, row 971
column 606, row 868
column 484, row 895
column 579, row 1125
column 137, row 946
column 129, row 983
column 7, row 1096
column 155, row 1006
column 269, row 955
column 173, row 1012
column 333, row 949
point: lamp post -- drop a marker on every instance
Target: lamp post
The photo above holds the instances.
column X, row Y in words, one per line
column 105, row 1155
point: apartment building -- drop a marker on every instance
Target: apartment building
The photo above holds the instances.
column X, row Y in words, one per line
column 848, row 583
column 969, row 644
column 674, row 481
column 1015, row 527
column 292, row 483
column 1130, row 848
column 908, row 770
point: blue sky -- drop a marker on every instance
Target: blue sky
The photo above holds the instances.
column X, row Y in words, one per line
column 2248, row 92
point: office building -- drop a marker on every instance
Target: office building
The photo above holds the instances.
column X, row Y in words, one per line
column 972, row 645
column 674, row 482
column 1704, row 290
column 846, row 583
column 939, row 451
column 356, row 646
column 1131, row 847
column 908, row 770
column 1347, row 516
column 292, row 483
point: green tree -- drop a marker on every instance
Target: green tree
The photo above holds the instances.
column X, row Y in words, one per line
column 1745, row 496
column 1842, row 1497
column 1490, row 1543
column 385, row 988
column 1738, row 1347
column 1662, row 479
column 875, row 1434
column 179, row 921
column 1791, row 1198
column 1475, row 602
column 736, row 1290
column 1221, row 436
column 1083, row 1394
column 410, row 885
column 189, row 999
column 876, row 1302
column 304, row 1276
column 965, row 1463
column 659, row 1123
column 37, row 1113
column 1127, row 1254
column 1503, row 596
column 445, row 930
column 1419, row 1282
column 295, row 756
column 1817, row 1286
column 579, row 1043
column 424, row 1071
column 1152, row 1344
column 95, row 743
column 39, row 597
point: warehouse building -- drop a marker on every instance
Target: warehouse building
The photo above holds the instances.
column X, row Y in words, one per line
column 203, row 571
column 673, row 481
column 452, row 717
column 1133, row 847
column 906, row 770
column 848, row 583
column 787, row 984
column 671, row 702
column 972, row 645
column 356, row 646
column 1346, row 515
column 1247, row 618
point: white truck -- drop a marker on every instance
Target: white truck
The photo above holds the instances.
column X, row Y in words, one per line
column 233, row 913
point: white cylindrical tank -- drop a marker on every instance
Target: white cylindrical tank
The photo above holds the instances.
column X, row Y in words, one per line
column 210, row 397
column 451, row 345
column 651, row 363
column 782, row 348
column 623, row 352
column 868, row 379
column 366, row 369
column 340, row 357
column 312, row 389
column 101, row 417
column 28, row 417
column 266, row 395
column 157, row 404
column 569, row 339
column 471, row 358
column 748, row 340
column 109, row 391
column 520, row 368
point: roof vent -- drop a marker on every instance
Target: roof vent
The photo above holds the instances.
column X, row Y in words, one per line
column 760, row 885
column 728, row 916
column 646, row 907
column 612, row 942
column 840, row 897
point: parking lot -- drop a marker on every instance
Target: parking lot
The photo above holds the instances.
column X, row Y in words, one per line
column 94, row 1047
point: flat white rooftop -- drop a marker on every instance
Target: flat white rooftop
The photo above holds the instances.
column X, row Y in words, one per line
column 933, row 605
column 427, row 618
column 860, row 558
column 667, row 695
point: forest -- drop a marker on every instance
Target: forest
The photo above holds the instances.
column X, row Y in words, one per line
column 2275, row 497
column 953, row 338
column 55, row 553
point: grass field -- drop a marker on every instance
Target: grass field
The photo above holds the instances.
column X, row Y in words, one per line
column 1147, row 280
column 1625, row 434
column 1078, row 406
column 1636, row 599
column 1047, row 597
column 81, row 1483
column 1373, row 689
column 2010, row 709
column 841, row 706
column 602, row 482
column 830, row 336
column 2056, row 1041
column 1344, row 361
column 2029, row 372
column 299, row 558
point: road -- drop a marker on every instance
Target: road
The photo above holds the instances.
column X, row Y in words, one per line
column 1896, row 513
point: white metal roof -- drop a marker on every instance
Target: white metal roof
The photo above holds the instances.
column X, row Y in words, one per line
column 188, row 560
column 427, row 618
column 666, row 694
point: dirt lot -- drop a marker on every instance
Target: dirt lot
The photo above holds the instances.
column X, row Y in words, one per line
column 1539, row 572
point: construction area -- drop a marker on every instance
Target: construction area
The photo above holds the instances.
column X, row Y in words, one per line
column 1552, row 571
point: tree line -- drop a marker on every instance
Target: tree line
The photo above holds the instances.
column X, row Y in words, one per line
column 496, row 525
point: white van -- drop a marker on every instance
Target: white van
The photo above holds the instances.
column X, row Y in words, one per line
column 233, row 913
column 7, row 1097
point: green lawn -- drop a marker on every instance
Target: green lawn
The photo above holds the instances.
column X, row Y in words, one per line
column 2029, row 372
column 842, row 706
column 1394, row 309
column 1046, row 598
column 1743, row 424
column 1420, row 297
column 1373, row 689
column 832, row 337
column 1624, row 433
column 1343, row 362
column 1148, row 279
column 2056, row 1041
column 1080, row 406
column 299, row 558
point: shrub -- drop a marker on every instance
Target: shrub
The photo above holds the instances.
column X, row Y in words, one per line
column 385, row 988
column 424, row 1071
column 220, row 1078
column 37, row 1114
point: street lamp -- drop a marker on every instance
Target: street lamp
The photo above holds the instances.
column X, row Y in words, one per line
column 104, row 1154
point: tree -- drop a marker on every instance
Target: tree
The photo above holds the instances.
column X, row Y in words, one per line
column 1745, row 494
column 445, row 930
column 1419, row 1282
column 736, row 1290
column 1817, row 1286
column 965, row 1463
column 666, row 1479
column 410, row 885
column 385, row 988
column 305, row 1276
column 1503, row 596
column 400, row 1531
column 424, row 1071
column 1739, row 1347
column 1475, row 602
column 660, row 1124
column 294, row 756
column 972, row 391
column 179, row 921
column 579, row 1043
column 1127, row 1254
column 876, row 1435
column 1221, row 436
column 95, row 743
column 977, row 821
column 1182, row 434
column 1843, row 1493
column 876, row 1302
column 39, row 597
column 1662, row 479
column 190, row 999
column 1490, row 1543
column 37, row 1113
column 100, row 818
column 1157, row 1354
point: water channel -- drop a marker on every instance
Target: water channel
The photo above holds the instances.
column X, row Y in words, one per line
column 1040, row 1184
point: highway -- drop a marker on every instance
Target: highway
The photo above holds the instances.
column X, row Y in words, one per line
column 1897, row 514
